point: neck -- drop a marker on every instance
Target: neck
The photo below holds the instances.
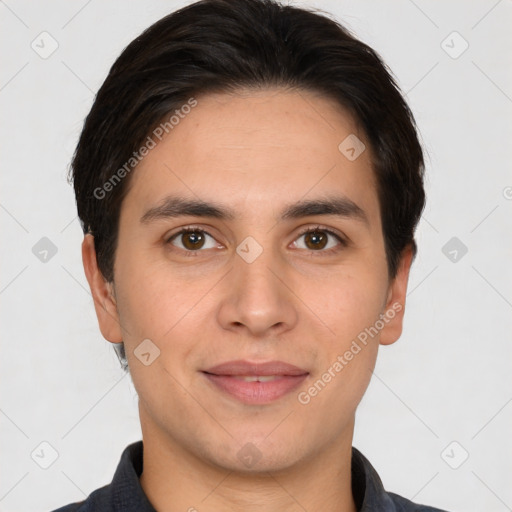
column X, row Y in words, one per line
column 174, row 478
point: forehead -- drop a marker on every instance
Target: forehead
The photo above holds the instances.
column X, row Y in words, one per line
column 264, row 147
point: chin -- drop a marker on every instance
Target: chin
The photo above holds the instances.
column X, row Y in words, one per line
column 258, row 454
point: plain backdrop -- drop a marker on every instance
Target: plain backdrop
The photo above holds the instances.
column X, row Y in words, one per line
column 437, row 417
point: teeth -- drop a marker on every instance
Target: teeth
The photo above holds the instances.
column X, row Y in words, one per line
column 256, row 378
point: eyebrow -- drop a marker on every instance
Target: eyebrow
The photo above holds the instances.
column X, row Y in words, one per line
column 176, row 206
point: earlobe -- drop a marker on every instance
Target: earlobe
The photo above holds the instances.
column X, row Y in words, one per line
column 395, row 305
column 102, row 293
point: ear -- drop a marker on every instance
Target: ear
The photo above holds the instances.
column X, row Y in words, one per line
column 102, row 293
column 395, row 304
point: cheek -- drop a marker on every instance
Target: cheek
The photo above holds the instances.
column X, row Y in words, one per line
column 357, row 304
column 347, row 302
column 347, row 358
column 147, row 292
column 159, row 304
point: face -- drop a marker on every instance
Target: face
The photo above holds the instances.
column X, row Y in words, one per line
column 247, row 287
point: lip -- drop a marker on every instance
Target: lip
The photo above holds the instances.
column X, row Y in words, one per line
column 227, row 378
column 242, row 367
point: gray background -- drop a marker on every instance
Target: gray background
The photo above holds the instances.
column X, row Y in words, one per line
column 448, row 378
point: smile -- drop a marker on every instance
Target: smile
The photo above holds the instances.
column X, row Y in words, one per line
column 255, row 383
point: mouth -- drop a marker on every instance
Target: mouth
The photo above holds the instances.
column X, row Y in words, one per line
column 255, row 383
column 256, row 378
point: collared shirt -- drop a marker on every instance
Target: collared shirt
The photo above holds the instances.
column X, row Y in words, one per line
column 125, row 494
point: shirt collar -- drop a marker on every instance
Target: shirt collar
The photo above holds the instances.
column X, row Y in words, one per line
column 367, row 489
column 127, row 493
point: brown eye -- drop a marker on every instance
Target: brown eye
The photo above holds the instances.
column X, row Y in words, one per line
column 320, row 240
column 315, row 240
column 192, row 240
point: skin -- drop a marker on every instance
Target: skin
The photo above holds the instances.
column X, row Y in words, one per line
column 255, row 151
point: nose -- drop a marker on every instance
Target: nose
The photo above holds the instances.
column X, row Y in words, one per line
column 257, row 297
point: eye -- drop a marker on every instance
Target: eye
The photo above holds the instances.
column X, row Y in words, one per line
column 192, row 239
column 319, row 239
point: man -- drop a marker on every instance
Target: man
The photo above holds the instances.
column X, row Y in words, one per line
column 249, row 180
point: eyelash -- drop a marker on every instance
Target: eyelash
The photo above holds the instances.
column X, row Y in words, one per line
column 193, row 229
